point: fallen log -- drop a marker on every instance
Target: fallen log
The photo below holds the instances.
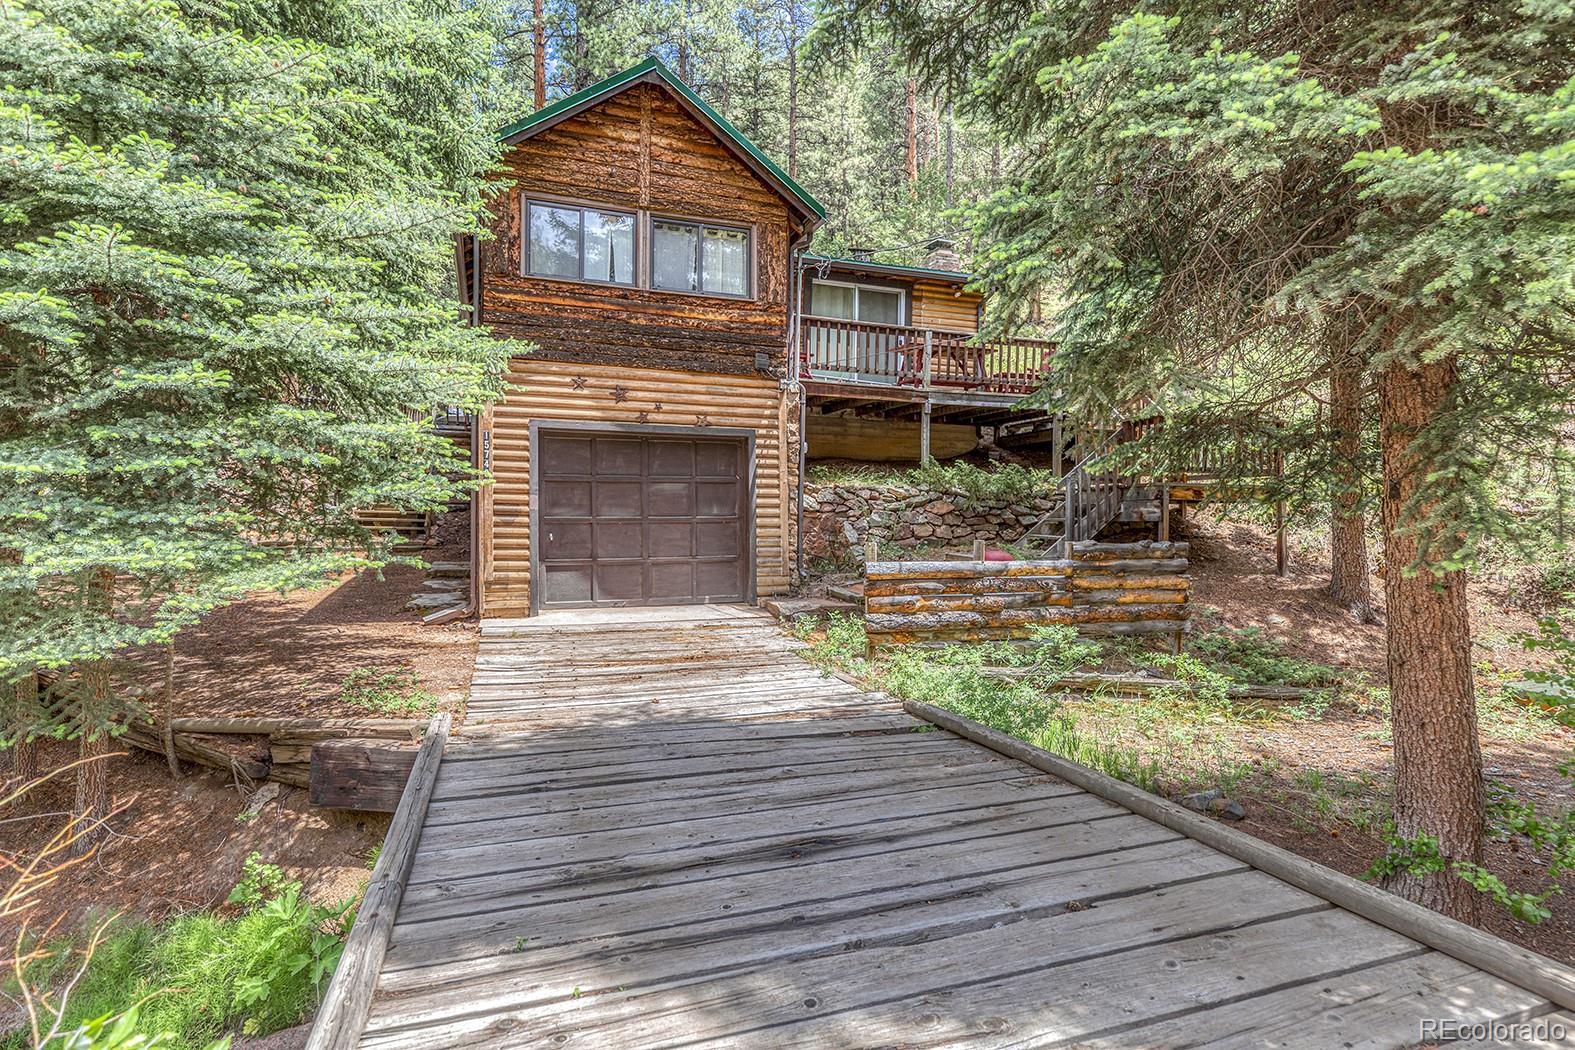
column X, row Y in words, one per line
column 1089, row 682
column 200, row 752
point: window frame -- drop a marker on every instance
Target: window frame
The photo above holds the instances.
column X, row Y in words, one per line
column 700, row 226
column 528, row 202
column 900, row 291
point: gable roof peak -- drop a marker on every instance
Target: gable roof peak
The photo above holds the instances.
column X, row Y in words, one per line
column 653, row 71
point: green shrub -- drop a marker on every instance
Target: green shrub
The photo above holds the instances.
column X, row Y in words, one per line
column 1246, row 656
column 199, row 977
column 388, row 692
column 971, row 486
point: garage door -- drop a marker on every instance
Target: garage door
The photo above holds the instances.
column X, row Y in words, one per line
column 639, row 520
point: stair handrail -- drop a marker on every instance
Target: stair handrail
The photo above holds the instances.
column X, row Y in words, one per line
column 1106, row 445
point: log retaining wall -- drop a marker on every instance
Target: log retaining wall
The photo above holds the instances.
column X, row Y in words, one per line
column 1101, row 589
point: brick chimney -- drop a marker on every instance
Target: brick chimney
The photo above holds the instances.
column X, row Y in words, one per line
column 942, row 255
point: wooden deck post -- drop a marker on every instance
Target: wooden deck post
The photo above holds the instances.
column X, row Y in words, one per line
column 1164, row 511
column 1055, row 443
column 924, row 433
column 929, row 359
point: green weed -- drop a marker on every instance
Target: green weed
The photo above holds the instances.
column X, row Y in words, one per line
column 387, row 692
column 1246, row 656
column 199, row 977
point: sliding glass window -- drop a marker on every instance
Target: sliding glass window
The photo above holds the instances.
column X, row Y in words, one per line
column 580, row 244
column 698, row 257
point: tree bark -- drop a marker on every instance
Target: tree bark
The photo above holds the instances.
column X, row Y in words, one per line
column 538, row 35
column 913, row 131
column 1349, row 581
column 792, row 114
column 1438, row 758
column 167, row 730
column 92, row 800
column 24, row 753
column 950, row 154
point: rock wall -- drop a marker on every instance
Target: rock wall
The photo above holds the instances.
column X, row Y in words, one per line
column 838, row 518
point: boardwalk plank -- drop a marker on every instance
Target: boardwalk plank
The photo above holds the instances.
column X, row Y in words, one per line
column 765, row 856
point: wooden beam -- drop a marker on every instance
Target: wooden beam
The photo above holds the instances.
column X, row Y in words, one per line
column 342, row 1016
column 924, row 435
column 1546, row 977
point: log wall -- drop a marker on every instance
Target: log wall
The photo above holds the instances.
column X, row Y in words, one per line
column 1102, row 589
column 639, row 151
column 548, row 390
column 937, row 304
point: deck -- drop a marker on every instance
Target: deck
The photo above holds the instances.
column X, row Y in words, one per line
column 663, row 828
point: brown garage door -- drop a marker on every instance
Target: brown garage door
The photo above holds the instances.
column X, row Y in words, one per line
column 639, row 520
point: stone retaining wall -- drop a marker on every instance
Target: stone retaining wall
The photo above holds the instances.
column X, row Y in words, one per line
column 839, row 518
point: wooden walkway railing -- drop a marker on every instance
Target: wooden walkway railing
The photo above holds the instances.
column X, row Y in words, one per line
column 343, row 1013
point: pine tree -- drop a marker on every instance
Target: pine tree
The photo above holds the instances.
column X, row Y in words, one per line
column 223, row 325
column 1221, row 190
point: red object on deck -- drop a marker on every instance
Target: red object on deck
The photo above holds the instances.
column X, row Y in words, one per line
column 991, row 554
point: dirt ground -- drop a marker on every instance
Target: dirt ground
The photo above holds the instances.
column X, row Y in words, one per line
column 1348, row 746
column 178, row 845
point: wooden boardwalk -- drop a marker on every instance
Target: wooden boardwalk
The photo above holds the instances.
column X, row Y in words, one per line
column 663, row 828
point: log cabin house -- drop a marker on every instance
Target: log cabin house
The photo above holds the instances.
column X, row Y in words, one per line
column 689, row 354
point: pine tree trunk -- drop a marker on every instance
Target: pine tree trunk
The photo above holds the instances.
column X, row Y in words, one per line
column 1349, row 581
column 913, row 131
column 167, row 728
column 92, row 801
column 951, row 157
column 792, row 114
column 1438, row 758
column 24, row 753
column 538, row 34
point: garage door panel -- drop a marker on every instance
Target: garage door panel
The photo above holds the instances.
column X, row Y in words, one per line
column 620, row 581
column 619, row 539
column 673, row 581
column 716, row 498
column 670, row 499
column 566, row 455
column 671, row 539
column 717, row 459
column 568, row 541
column 640, row 520
column 619, row 499
column 716, row 538
column 620, row 456
column 671, row 459
column 566, row 499
column 714, row 579
column 566, row 584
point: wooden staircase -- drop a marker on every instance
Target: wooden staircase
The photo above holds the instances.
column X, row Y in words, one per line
column 1086, row 499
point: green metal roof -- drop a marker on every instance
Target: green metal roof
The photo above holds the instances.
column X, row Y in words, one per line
column 649, row 71
column 957, row 276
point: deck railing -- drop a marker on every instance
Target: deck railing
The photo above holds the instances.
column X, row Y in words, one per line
column 926, row 358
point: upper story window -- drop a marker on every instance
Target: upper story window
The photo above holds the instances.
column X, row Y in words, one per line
column 855, row 302
column 579, row 244
column 700, row 257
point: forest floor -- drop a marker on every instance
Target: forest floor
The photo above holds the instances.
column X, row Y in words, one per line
column 1316, row 779
column 178, row 845
column 1316, row 776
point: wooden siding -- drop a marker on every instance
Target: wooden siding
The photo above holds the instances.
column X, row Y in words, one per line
column 544, row 390
column 883, row 440
column 639, row 150
column 937, row 304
